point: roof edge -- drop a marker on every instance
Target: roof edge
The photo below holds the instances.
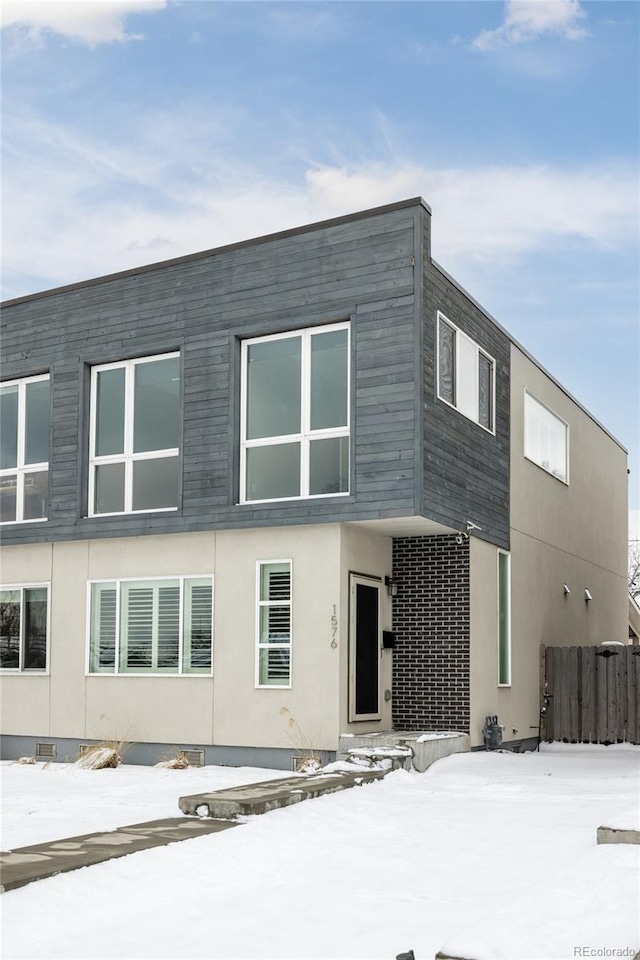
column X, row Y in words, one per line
column 225, row 248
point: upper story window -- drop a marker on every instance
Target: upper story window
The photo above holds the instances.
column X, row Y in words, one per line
column 135, row 430
column 546, row 438
column 295, row 415
column 156, row 626
column 466, row 375
column 24, row 619
column 25, row 417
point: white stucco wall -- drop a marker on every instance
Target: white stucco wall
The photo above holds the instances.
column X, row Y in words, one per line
column 573, row 533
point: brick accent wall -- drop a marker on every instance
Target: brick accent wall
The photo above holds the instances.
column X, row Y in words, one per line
column 431, row 620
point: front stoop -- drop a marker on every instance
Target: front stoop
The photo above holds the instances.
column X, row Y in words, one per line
column 425, row 746
column 257, row 798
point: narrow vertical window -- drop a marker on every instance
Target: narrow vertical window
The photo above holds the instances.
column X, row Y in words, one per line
column 446, row 361
column 24, row 617
column 504, row 619
column 485, row 391
column 24, row 449
column 135, row 430
column 274, row 624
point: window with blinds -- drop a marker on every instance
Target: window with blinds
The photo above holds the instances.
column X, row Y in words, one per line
column 274, row 624
column 152, row 626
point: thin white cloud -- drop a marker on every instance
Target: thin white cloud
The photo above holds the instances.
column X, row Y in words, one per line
column 89, row 23
column 77, row 207
column 526, row 20
column 483, row 212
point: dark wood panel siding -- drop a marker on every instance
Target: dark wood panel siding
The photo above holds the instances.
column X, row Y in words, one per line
column 466, row 469
column 361, row 269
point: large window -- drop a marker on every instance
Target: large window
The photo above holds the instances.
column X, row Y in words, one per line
column 504, row 619
column 546, row 438
column 295, row 415
column 24, row 449
column 24, row 618
column 274, row 624
column 135, row 430
column 151, row 626
column 466, row 375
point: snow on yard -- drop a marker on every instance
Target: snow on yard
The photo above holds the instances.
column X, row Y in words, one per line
column 492, row 854
column 57, row 800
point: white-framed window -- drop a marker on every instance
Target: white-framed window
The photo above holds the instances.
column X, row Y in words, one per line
column 273, row 623
column 466, row 375
column 134, row 435
column 25, row 427
column 162, row 625
column 504, row 619
column 546, row 438
column 295, row 415
column 24, row 627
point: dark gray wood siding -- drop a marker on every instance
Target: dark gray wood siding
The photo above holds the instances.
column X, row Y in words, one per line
column 360, row 269
column 466, row 469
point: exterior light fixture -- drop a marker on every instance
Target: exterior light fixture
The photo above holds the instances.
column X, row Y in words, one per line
column 566, row 590
column 392, row 586
column 587, row 594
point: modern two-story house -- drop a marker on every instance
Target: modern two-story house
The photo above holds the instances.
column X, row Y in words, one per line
column 304, row 477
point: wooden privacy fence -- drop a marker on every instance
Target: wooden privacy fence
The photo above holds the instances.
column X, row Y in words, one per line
column 591, row 694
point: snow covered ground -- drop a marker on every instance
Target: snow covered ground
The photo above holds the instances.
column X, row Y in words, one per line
column 492, row 855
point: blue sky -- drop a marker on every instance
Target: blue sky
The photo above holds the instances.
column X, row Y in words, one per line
column 134, row 132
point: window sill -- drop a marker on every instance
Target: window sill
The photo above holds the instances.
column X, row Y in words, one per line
column 132, row 513
column 13, row 523
column 312, row 498
column 154, row 676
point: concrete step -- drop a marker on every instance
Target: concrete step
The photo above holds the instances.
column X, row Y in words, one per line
column 427, row 746
column 257, row 798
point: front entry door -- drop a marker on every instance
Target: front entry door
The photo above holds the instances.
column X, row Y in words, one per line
column 364, row 648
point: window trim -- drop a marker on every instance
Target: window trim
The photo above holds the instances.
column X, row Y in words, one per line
column 116, row 672
column 480, row 350
column 306, row 434
column 30, row 585
column 273, row 646
column 527, row 456
column 504, row 553
column 128, row 457
column 21, row 469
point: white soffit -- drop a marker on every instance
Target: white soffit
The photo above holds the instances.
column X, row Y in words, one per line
column 403, row 527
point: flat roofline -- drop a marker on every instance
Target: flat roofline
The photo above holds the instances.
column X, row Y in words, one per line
column 526, row 353
column 298, row 231
column 239, row 245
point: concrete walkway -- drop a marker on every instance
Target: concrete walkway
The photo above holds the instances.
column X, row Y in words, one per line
column 42, row 860
column 209, row 813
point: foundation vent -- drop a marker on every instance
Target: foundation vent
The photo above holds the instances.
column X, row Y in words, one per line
column 46, row 751
column 194, row 757
column 298, row 763
column 83, row 749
